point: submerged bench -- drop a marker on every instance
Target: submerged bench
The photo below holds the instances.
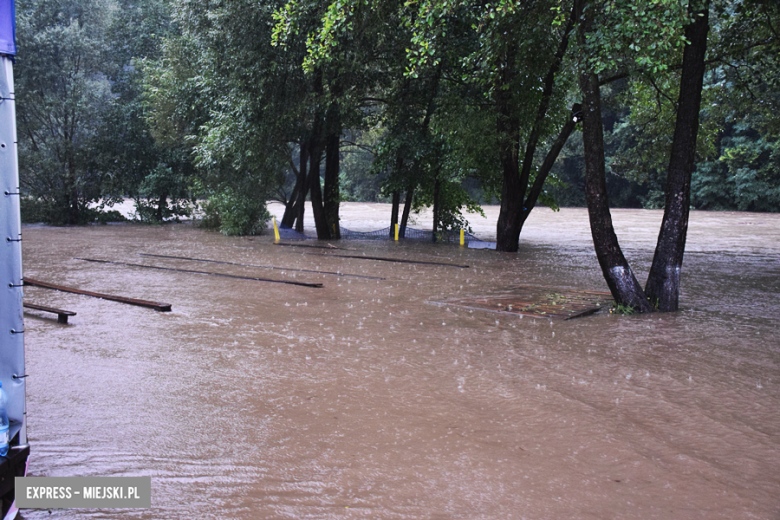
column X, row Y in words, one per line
column 62, row 315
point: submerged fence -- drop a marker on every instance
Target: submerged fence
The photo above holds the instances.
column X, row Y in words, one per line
column 404, row 233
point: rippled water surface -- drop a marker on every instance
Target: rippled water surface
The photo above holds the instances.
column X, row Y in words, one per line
column 362, row 400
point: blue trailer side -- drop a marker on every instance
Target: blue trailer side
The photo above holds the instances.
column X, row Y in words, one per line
column 12, row 371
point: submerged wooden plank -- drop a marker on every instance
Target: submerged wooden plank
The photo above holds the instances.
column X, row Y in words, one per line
column 316, row 285
column 397, row 260
column 162, row 307
column 538, row 302
column 62, row 315
column 310, row 246
column 260, row 266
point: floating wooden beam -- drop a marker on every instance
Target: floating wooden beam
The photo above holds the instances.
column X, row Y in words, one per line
column 162, row 307
column 397, row 260
column 62, row 315
column 289, row 282
column 314, row 247
column 260, row 266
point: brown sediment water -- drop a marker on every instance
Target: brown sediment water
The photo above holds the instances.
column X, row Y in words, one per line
column 362, row 400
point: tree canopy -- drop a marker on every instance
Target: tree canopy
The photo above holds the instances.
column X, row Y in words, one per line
column 446, row 104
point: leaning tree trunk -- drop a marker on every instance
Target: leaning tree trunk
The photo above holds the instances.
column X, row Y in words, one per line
column 290, row 207
column 663, row 283
column 293, row 206
column 621, row 280
column 514, row 208
column 407, row 210
column 544, row 169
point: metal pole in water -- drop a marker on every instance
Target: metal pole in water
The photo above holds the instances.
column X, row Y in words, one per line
column 276, row 231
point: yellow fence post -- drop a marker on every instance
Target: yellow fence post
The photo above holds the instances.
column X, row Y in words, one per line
column 396, row 232
column 462, row 238
column 276, row 231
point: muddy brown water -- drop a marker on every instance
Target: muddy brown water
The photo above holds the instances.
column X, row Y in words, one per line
column 362, row 400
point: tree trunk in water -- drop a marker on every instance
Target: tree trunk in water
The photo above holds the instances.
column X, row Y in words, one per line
column 512, row 193
column 621, row 280
column 315, row 156
column 394, row 212
column 436, row 206
column 407, row 209
column 332, row 194
column 300, row 204
column 290, row 207
column 663, row 283
column 317, row 208
column 161, row 203
column 514, row 209
column 507, row 228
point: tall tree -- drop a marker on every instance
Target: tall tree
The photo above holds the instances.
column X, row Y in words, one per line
column 521, row 190
column 156, row 173
column 663, row 283
column 62, row 92
column 239, row 116
column 618, row 274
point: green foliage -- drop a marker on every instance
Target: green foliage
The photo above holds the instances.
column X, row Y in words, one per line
column 233, row 212
column 62, row 92
column 745, row 177
column 624, row 310
column 162, row 195
column 119, row 98
column 126, row 146
column 454, row 201
column 83, row 130
column 641, row 35
column 359, row 180
column 237, row 118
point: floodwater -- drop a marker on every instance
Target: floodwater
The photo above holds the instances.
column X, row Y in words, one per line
column 363, row 400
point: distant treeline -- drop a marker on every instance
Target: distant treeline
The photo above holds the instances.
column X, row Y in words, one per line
column 445, row 104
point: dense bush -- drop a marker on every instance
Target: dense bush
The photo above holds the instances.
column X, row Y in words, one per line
column 235, row 213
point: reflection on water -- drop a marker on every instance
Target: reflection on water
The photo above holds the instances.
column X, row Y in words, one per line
column 360, row 400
